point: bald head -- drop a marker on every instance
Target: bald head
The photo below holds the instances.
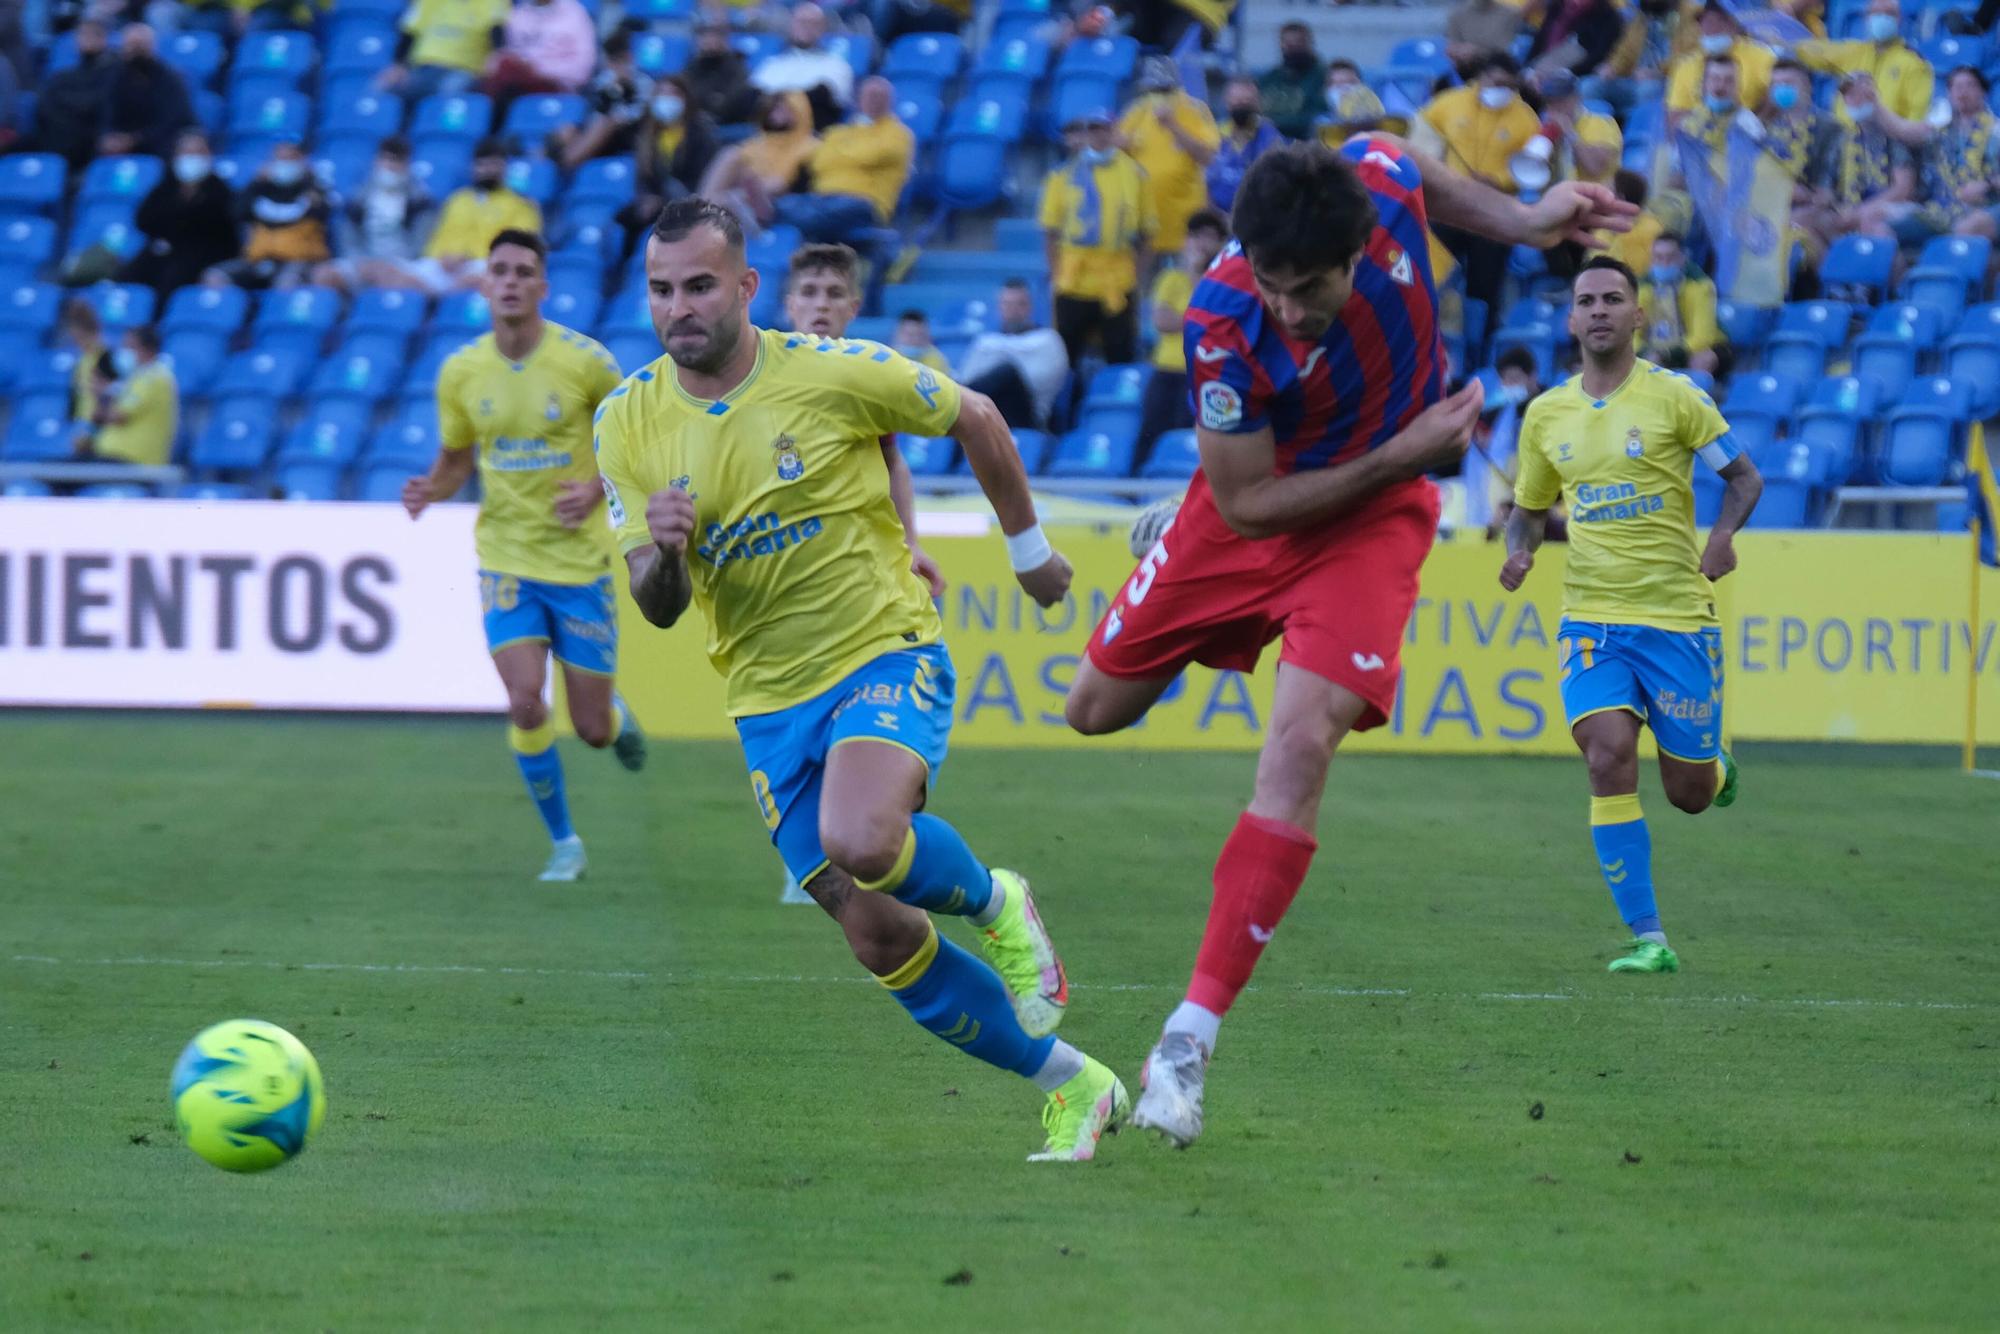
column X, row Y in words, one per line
column 876, row 97
column 808, row 25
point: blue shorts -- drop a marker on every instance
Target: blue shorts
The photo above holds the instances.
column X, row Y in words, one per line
column 1672, row 679
column 904, row 698
column 579, row 622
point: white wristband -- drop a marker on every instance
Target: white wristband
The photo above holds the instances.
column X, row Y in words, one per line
column 1029, row 549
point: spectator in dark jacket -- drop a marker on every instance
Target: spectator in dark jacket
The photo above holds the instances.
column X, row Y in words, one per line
column 617, row 98
column 149, row 104
column 1578, row 36
column 676, row 145
column 189, row 221
column 70, row 107
column 1291, row 90
column 718, row 76
column 287, row 215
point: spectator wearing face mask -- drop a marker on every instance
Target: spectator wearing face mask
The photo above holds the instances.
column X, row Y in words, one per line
column 188, row 219
column 717, row 75
column 69, row 109
column 1903, row 80
column 148, row 104
column 85, row 336
column 1957, row 160
column 1099, row 228
column 1293, row 89
column 1805, row 144
column 1633, row 248
column 136, row 417
column 455, row 256
column 1165, row 405
column 1680, row 331
column 285, row 214
column 1478, row 30
column 1351, row 105
column 617, row 98
column 1247, row 137
column 1480, row 128
column 1709, row 122
column 913, row 340
column 382, row 220
column 1721, row 35
column 1874, row 176
column 1635, row 73
column 1172, row 137
column 676, row 148
column 1588, row 147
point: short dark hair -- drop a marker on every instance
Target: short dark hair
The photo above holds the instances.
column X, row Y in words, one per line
column 1517, row 358
column 492, row 145
column 1675, row 237
column 1342, row 63
column 78, row 310
column 680, row 218
column 1303, row 207
column 1017, row 285
column 913, row 313
column 522, row 237
column 1617, row 266
column 1985, row 84
column 1787, row 63
column 1209, row 220
column 1295, row 26
column 146, row 336
column 618, row 44
column 395, row 145
column 1630, row 186
column 1501, row 61
column 835, row 258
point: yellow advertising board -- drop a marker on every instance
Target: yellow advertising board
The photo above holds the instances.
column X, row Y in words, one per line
column 1829, row 636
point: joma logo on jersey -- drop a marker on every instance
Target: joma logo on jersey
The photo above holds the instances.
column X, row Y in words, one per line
column 761, row 535
column 1667, row 704
column 785, row 454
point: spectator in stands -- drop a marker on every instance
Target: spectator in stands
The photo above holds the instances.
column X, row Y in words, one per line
column 1351, row 105
column 1248, row 137
column 1634, row 248
column 1962, row 164
column 148, row 104
column 858, row 170
column 444, row 46
column 1021, row 368
column 1294, row 89
column 1477, row 30
column 617, row 97
column 1165, row 406
column 751, row 177
column 382, row 220
column 1576, row 37
column 676, row 148
column 188, row 219
column 1159, row 25
column 136, row 418
column 913, row 340
column 1172, row 137
column 1721, row 35
column 81, row 330
column 896, row 18
column 1680, row 331
column 1903, row 79
column 1588, row 147
column 455, row 256
column 546, row 46
column 804, row 66
column 1489, row 494
column 1874, row 176
column 1098, row 225
column 1709, row 123
column 1482, row 126
column 718, row 76
column 69, row 110
column 1806, row 144
column 286, row 213
column 1635, row 73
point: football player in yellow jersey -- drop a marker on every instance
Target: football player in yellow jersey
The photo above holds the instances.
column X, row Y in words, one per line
column 518, row 403
column 1640, row 639
column 744, row 473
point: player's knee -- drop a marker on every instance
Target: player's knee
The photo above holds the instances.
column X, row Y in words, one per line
column 1089, row 715
column 525, row 709
column 1305, row 745
column 594, row 731
column 1608, row 762
column 1691, row 795
column 866, row 848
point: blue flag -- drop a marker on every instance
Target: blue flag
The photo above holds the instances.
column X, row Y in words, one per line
column 1982, row 488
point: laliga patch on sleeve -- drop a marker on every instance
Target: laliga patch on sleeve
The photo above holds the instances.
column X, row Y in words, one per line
column 613, row 506
column 1221, row 406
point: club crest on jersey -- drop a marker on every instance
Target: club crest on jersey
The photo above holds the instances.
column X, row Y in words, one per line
column 1399, row 267
column 486, row 407
column 1221, row 406
column 785, row 452
column 1635, row 447
column 554, row 410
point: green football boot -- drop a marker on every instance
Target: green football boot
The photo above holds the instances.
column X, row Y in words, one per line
column 1727, row 796
column 1647, row 956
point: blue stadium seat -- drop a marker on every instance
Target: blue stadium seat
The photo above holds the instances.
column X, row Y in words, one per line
column 1799, row 460
column 1072, row 96
column 1858, row 261
column 365, row 367
column 277, row 372
column 633, row 350
column 1017, row 236
column 239, row 165
column 410, row 440
column 211, row 112
column 1755, row 429
column 656, row 11
column 928, row 456
column 373, row 13
column 1175, row 456
column 605, row 180
column 1421, row 51
column 574, row 309
column 988, row 107
column 269, row 116
column 307, row 481
column 342, row 162
column 197, row 55
column 1941, row 287
column 1966, row 256
column 1824, row 321
column 532, row 118
column 856, row 48
column 121, row 305
column 274, row 52
column 1033, row 446
column 932, row 56
column 1538, row 339
column 253, row 86
column 31, row 182
column 39, row 429
column 1888, row 362
column 1767, row 392
column 421, row 379
column 1848, row 395
column 1973, row 359
column 32, row 305
column 1948, row 51
column 211, row 491
column 25, row 488
column 1835, row 440
column 533, row 178
column 1120, row 421
column 1106, row 57
column 196, row 356
column 358, row 49
column 387, row 311
column 375, row 115
column 1025, row 58
column 627, row 315
column 215, row 309
column 1936, row 391
column 330, row 433
column 1920, row 326
column 1118, row 387
column 921, row 109
column 972, row 170
column 299, row 317
column 382, row 483
column 115, row 491
column 661, row 53
column 441, row 163
column 1708, row 488
column 457, row 115
column 45, row 370
column 1533, row 310
column 238, row 435
column 337, row 89
column 465, row 312
column 1786, row 503
column 108, row 224
column 1797, row 356
column 1916, row 451
column 755, row 47
column 17, row 348
column 30, row 241
column 126, row 179
column 1093, row 454
column 1746, row 327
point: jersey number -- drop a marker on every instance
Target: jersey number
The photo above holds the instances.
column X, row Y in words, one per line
column 501, row 591
column 1149, row 569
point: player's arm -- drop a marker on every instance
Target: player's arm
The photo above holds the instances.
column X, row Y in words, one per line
column 1742, row 486
column 903, row 495
column 1568, row 211
column 1525, row 530
column 989, row 447
column 451, row 470
column 1256, row 503
column 659, row 572
column 1537, row 485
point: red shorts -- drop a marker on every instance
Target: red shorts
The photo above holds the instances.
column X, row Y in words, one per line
column 1341, row 596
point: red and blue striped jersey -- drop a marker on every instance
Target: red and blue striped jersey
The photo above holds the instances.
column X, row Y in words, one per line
column 1378, row 365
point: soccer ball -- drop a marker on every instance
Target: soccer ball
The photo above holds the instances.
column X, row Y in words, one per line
column 247, row 1095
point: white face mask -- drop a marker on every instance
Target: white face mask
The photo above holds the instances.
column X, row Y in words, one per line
column 1718, row 46
column 286, row 172
column 1495, row 98
column 190, row 167
column 126, row 360
column 668, row 109
column 1861, row 115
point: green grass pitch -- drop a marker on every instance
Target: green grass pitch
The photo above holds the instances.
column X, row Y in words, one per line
column 659, row 1101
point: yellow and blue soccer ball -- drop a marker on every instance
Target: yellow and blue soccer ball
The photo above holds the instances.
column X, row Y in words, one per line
column 247, row 1095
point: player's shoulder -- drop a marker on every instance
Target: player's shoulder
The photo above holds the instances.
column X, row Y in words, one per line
column 1225, row 296
column 470, row 359
column 580, row 346
column 644, row 384
column 1385, row 168
column 1672, row 387
column 1552, row 403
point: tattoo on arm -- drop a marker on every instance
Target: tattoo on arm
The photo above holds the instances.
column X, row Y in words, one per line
column 660, row 585
column 1525, row 529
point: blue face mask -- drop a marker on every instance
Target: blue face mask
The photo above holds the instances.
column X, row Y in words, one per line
column 1665, row 277
column 1094, row 157
column 1882, row 27
column 1720, row 106
column 1784, row 97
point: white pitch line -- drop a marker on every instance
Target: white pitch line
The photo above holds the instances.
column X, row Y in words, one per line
column 802, row 979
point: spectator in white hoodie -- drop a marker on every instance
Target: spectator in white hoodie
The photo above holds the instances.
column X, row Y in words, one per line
column 1021, row 368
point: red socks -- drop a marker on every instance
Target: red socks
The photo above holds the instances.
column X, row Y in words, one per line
column 1256, row 878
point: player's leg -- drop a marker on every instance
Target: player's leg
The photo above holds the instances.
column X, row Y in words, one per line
column 1681, row 673
column 523, row 668
column 1100, row 703
column 585, row 641
column 1609, row 740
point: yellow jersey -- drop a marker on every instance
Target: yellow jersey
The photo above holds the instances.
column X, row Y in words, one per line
column 472, row 218
column 1904, row 80
column 82, row 393
column 1623, row 464
column 1753, row 75
column 1477, row 139
column 1598, row 132
column 1180, row 184
column 797, row 558
column 151, row 402
column 1174, row 287
column 1101, row 215
column 530, row 421
column 870, row 162
column 454, row 34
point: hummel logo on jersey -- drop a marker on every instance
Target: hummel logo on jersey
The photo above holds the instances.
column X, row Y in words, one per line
column 1370, row 663
column 1261, row 934
column 1400, row 270
column 885, row 720
column 1210, row 354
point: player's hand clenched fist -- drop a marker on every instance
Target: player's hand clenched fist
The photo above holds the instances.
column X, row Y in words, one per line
column 1515, row 571
column 1047, row 583
column 670, row 519
column 417, row 495
column 575, row 501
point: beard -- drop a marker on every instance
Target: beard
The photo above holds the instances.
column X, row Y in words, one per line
column 717, row 346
